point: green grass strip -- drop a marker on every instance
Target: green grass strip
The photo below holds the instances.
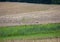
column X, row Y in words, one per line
column 31, row 31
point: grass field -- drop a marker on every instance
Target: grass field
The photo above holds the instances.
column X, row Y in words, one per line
column 30, row 31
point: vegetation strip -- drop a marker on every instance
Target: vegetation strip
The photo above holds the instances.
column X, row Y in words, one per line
column 39, row 30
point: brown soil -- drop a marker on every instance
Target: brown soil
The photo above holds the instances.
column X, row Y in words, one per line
column 15, row 8
column 39, row 40
column 23, row 13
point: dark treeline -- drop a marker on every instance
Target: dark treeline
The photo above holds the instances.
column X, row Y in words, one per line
column 34, row 1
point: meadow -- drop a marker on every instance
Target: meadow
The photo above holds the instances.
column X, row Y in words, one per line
column 35, row 31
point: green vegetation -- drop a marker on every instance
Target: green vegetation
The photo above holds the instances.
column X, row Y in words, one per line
column 35, row 1
column 31, row 31
column 56, row 1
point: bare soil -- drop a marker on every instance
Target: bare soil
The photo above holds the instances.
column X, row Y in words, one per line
column 39, row 40
column 17, row 8
column 24, row 13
